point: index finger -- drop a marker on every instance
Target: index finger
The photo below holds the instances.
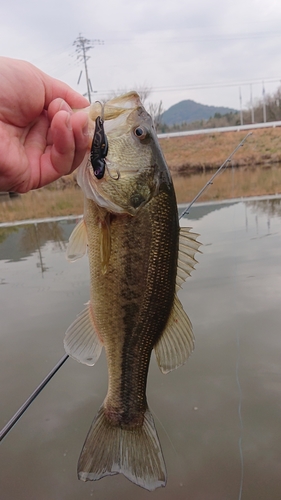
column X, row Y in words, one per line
column 55, row 88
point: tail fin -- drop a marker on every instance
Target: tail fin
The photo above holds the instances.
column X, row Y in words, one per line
column 136, row 453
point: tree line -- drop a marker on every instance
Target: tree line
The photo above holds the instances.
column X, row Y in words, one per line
column 266, row 109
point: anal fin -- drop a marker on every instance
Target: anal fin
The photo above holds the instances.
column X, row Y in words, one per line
column 81, row 341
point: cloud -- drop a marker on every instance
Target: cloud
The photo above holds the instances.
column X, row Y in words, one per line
column 182, row 50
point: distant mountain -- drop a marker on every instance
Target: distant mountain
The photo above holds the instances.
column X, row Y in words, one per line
column 189, row 111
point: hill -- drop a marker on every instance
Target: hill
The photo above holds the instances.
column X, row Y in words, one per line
column 189, row 111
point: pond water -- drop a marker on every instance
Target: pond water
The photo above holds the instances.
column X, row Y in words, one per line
column 218, row 417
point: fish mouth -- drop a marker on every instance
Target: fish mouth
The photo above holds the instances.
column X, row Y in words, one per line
column 124, row 187
column 90, row 187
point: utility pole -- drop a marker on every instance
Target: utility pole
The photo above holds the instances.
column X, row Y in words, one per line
column 241, row 111
column 264, row 105
column 83, row 45
column 252, row 105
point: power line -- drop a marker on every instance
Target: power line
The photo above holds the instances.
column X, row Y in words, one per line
column 198, row 86
column 211, row 37
column 83, row 45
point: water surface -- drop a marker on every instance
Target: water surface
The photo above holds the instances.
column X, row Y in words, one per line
column 218, row 417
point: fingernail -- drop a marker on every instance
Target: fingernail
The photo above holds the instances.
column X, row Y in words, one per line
column 68, row 122
column 65, row 107
column 85, row 129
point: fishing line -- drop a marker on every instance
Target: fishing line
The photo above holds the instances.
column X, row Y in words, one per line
column 44, row 382
column 237, row 365
column 237, row 379
column 239, row 415
column 224, row 165
column 165, row 431
column 179, row 463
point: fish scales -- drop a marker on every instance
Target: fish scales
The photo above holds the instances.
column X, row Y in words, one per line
column 141, row 248
column 138, row 258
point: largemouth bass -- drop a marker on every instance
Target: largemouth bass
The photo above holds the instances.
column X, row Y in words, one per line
column 138, row 258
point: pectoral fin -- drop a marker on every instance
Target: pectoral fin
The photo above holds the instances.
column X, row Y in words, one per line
column 177, row 341
column 78, row 242
column 81, row 341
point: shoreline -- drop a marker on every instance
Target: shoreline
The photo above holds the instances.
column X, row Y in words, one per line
column 255, row 170
column 181, row 207
column 197, row 153
column 232, row 183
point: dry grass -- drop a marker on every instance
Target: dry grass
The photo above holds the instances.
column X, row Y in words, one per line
column 232, row 183
column 42, row 203
column 200, row 151
column 191, row 155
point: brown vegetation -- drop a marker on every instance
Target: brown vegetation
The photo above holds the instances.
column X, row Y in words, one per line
column 190, row 160
column 231, row 183
column 42, row 203
column 195, row 153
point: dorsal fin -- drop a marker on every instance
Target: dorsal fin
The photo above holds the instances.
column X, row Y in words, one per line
column 188, row 247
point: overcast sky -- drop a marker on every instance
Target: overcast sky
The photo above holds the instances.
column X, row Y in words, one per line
column 181, row 49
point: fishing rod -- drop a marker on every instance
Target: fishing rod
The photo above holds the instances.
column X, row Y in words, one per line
column 224, row 165
column 61, row 362
column 31, row 398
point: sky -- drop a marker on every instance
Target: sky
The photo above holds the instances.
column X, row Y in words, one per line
column 220, row 53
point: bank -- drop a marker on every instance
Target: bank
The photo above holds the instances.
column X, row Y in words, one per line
column 255, row 170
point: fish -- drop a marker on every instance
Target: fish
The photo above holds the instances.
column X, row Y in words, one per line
column 139, row 258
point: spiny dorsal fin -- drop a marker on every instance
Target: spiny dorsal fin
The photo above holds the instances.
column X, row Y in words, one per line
column 177, row 341
column 78, row 242
column 136, row 453
column 81, row 341
column 188, row 247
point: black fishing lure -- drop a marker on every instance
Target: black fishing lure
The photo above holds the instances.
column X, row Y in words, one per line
column 99, row 149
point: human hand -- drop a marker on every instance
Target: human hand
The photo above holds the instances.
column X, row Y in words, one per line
column 41, row 138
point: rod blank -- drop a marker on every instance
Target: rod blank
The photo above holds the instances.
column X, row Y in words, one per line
column 31, row 398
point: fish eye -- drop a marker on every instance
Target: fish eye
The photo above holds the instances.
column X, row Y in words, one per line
column 140, row 132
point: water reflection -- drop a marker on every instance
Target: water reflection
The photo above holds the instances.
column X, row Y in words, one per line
column 226, row 395
column 20, row 242
column 269, row 206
